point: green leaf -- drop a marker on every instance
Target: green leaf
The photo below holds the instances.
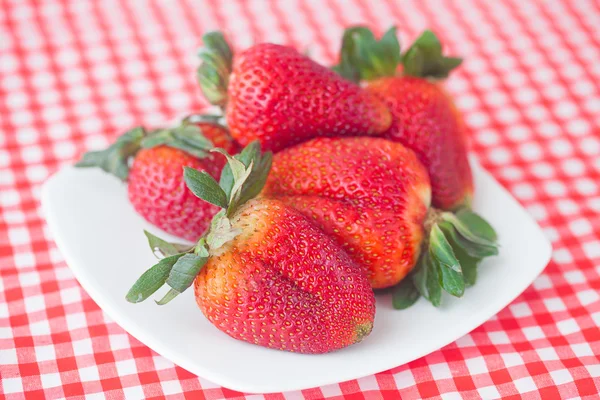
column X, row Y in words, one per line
column 186, row 137
column 451, row 281
column 156, row 138
column 226, row 180
column 170, row 295
column 115, row 159
column 405, row 294
column 363, row 57
column 238, row 169
column 434, row 290
column 419, row 274
column 191, row 135
column 448, row 267
column 205, row 187
column 213, row 73
column 441, row 250
column 221, row 231
column 467, row 231
column 248, row 154
column 348, row 66
column 424, row 58
column 152, row 279
column 214, row 119
column 468, row 265
column 184, row 271
column 475, row 250
column 257, row 179
column 158, row 244
column 477, row 224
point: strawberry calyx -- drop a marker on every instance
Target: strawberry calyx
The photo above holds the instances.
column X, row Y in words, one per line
column 217, row 63
column 425, row 59
column 455, row 245
column 117, row 157
column 242, row 179
column 363, row 57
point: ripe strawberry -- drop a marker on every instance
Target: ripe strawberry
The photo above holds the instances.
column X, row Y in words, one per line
column 372, row 196
column 264, row 273
column 155, row 183
column 280, row 97
column 424, row 116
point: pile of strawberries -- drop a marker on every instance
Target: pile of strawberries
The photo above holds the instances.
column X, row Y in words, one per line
column 369, row 187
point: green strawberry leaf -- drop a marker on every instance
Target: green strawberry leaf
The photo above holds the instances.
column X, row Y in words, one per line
column 248, row 154
column 257, row 179
column 163, row 247
column 191, row 134
column 184, row 271
column 186, row 137
column 424, row 58
column 469, row 232
column 405, row 294
column 468, row 264
column 434, row 290
column 348, row 66
column 170, row 295
column 152, row 279
column 213, row 73
column 240, row 174
column 448, row 267
column 441, row 250
column 477, row 224
column 205, row 187
column 363, row 57
column 419, row 275
column 214, row 119
column 115, row 159
column 475, row 250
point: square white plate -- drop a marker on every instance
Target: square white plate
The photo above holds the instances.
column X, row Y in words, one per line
column 101, row 239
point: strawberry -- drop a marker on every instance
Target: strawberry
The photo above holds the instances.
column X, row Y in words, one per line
column 280, row 97
column 264, row 273
column 424, row 116
column 155, row 183
column 372, row 196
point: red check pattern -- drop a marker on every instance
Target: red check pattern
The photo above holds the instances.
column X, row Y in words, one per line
column 73, row 74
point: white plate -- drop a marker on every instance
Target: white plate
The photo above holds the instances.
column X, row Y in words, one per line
column 101, row 239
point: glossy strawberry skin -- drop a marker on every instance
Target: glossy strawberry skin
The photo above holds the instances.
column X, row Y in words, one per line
column 426, row 121
column 282, row 283
column 157, row 191
column 280, row 97
column 370, row 194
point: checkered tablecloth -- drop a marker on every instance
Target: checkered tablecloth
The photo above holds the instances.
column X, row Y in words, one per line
column 73, row 74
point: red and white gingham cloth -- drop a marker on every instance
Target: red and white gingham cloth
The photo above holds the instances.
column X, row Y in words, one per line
column 74, row 74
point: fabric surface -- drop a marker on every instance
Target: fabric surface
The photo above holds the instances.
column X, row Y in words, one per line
column 74, row 74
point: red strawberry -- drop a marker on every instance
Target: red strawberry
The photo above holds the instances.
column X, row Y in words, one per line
column 280, row 97
column 424, row 116
column 372, row 196
column 265, row 273
column 155, row 183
